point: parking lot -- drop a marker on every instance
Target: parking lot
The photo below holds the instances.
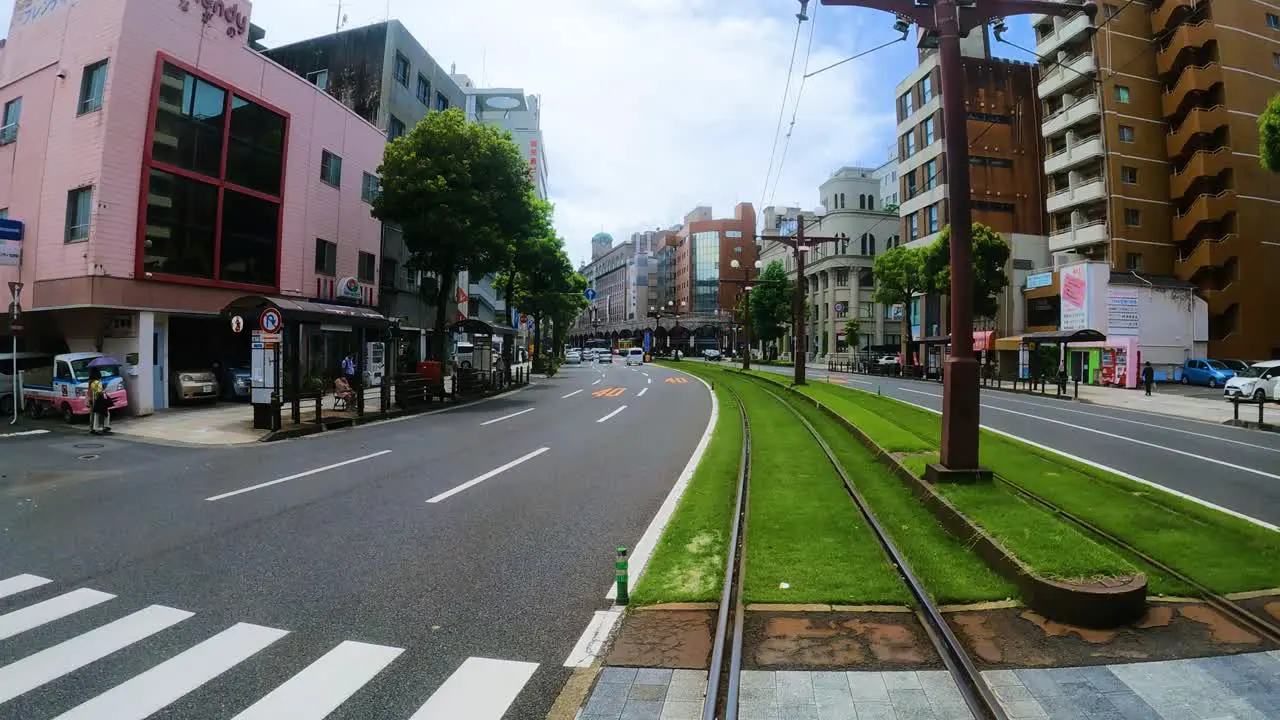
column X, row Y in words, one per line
column 1195, row 391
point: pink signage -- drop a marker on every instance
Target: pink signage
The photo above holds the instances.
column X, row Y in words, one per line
column 229, row 12
column 1073, row 288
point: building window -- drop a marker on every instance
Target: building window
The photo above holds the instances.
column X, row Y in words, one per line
column 932, row 213
column 988, row 118
column 928, row 131
column 1273, row 21
column 931, row 174
column 841, row 201
column 12, row 114
column 1126, row 134
column 926, row 89
column 365, row 267
column 442, row 102
column 326, row 257
column 1133, row 262
column 905, row 101
column 1122, row 94
column 402, row 69
column 79, row 209
column 92, row 84
column 913, row 226
column 388, row 273
column 368, row 187
column 395, row 128
column 211, row 191
column 1129, row 175
column 330, row 168
column 911, row 143
column 412, row 278
column 1132, row 217
column 424, row 90
column 319, row 78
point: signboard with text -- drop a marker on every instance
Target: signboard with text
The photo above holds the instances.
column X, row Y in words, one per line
column 1039, row 280
column 10, row 253
column 1122, row 312
column 1075, row 298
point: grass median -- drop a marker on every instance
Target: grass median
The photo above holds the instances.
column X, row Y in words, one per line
column 1225, row 553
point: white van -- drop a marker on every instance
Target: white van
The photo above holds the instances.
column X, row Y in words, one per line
column 635, row 356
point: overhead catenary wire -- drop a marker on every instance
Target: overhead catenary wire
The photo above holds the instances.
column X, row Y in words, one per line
column 795, row 109
column 782, row 108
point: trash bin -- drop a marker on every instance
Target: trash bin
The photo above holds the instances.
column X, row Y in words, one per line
column 430, row 370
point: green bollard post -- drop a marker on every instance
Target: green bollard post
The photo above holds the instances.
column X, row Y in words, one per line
column 620, row 565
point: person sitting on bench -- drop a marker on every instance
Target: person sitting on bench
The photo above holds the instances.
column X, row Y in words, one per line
column 342, row 394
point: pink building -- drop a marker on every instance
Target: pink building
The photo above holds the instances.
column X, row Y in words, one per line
column 163, row 168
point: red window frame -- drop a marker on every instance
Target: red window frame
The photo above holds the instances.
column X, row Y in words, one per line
column 149, row 163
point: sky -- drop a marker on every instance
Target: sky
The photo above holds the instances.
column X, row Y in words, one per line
column 652, row 107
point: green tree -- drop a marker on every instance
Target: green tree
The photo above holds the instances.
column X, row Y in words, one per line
column 1269, row 135
column 852, row 333
column 900, row 275
column 990, row 256
column 547, row 288
column 771, row 297
column 459, row 192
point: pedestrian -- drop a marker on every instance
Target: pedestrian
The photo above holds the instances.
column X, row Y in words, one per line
column 99, row 404
column 349, row 369
column 1148, row 377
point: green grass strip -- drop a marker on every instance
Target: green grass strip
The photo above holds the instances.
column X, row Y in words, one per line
column 1223, row 552
column 688, row 563
column 949, row 570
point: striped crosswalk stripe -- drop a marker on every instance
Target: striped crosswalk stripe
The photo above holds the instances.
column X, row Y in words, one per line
column 479, row 689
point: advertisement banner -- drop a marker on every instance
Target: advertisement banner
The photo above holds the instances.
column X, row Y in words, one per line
column 1075, row 298
column 1122, row 312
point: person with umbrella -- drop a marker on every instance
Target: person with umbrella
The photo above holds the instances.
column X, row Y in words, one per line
column 99, row 403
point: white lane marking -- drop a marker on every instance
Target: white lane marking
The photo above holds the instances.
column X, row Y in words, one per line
column 591, row 644
column 918, row 392
column 644, row 373
column 615, row 412
column 23, row 433
column 325, row 684
column 52, row 663
column 643, row 550
column 1150, row 425
column 21, row 583
column 648, row 380
column 1125, row 438
column 496, row 471
column 1108, row 468
column 481, row 689
column 643, row 390
column 148, row 693
column 575, row 392
column 33, row 616
column 506, row 417
column 287, row 478
column 597, row 382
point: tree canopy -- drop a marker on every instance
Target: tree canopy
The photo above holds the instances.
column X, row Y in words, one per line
column 900, row 275
column 1269, row 135
column 990, row 256
column 771, row 297
column 461, row 194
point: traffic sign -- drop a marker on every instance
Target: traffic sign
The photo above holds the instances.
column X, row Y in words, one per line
column 270, row 320
column 589, row 293
column 237, row 323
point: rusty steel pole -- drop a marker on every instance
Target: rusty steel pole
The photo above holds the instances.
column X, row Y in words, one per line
column 800, row 348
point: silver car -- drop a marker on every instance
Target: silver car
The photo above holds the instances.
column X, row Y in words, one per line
column 192, row 385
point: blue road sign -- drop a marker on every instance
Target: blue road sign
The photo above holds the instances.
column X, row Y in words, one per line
column 10, row 229
column 589, row 293
column 647, row 341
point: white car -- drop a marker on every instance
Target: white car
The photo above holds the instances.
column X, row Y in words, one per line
column 604, row 356
column 635, row 356
column 887, row 360
column 1260, row 382
column 572, row 358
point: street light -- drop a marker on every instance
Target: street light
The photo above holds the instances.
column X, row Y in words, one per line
column 948, row 21
column 746, row 290
column 15, row 289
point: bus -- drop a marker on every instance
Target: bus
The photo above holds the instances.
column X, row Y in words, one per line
column 597, row 344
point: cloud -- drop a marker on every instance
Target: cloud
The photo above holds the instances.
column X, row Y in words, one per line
column 650, row 107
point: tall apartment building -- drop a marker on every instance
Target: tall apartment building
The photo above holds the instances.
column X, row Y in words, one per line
column 1151, row 141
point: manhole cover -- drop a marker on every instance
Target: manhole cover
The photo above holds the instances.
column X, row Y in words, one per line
column 87, row 457
column 88, row 446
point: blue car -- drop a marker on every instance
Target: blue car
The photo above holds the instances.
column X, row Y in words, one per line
column 1206, row 372
column 233, row 380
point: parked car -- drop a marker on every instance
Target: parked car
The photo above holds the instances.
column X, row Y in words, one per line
column 1237, row 366
column 604, row 356
column 573, row 358
column 712, row 355
column 1260, row 382
column 635, row 356
column 193, row 384
column 1206, row 372
column 887, row 361
column 233, row 380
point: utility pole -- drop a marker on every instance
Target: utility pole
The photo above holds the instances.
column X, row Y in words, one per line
column 15, row 310
column 948, row 21
column 800, row 244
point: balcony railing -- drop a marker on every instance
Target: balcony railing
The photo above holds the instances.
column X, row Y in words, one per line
column 1205, row 163
column 1184, row 36
column 8, row 133
column 1201, row 77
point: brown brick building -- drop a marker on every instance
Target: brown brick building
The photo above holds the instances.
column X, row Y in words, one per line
column 705, row 250
column 1151, row 144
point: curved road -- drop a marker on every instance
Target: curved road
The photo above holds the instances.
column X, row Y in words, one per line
column 414, row 568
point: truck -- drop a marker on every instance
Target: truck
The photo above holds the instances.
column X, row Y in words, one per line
column 62, row 386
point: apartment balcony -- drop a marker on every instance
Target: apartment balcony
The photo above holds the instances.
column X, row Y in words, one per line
column 1191, row 80
column 1089, row 191
column 1184, row 36
column 1200, row 120
column 1206, row 163
column 1168, row 9
column 1075, row 155
column 1075, row 27
column 1074, row 71
column 1086, row 108
column 1208, row 253
column 1079, row 236
column 1206, row 208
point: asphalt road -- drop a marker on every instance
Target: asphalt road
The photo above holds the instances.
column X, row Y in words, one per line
column 1234, row 468
column 433, row 567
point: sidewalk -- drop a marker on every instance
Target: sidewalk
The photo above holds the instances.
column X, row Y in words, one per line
column 1235, row 687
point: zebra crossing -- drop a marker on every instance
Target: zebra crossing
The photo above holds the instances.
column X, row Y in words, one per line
column 478, row 689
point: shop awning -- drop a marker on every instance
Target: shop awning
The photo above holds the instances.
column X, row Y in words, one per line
column 1050, row 337
column 305, row 311
column 981, row 340
column 476, row 326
